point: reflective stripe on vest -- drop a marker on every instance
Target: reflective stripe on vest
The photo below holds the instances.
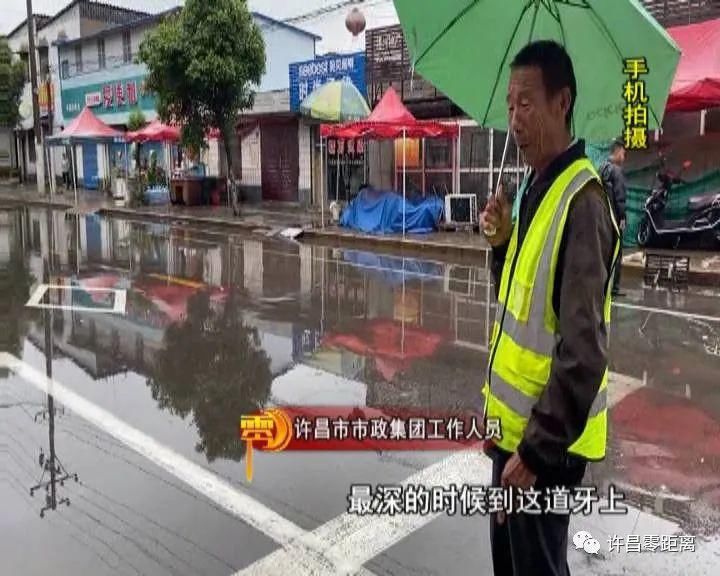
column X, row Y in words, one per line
column 521, row 353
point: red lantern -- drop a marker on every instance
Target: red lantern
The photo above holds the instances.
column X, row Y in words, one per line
column 355, row 22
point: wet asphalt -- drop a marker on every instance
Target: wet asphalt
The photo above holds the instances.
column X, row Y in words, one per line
column 211, row 326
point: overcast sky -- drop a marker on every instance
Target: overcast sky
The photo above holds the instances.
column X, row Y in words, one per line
column 331, row 26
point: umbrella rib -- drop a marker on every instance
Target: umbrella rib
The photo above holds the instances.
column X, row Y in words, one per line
column 564, row 41
column 446, row 30
column 507, row 49
column 617, row 49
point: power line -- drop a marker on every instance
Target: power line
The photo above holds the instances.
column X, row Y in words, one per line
column 321, row 11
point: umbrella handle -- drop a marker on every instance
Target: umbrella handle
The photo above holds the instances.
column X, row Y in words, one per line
column 491, row 231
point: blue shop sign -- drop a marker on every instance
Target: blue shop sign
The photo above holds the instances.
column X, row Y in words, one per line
column 307, row 76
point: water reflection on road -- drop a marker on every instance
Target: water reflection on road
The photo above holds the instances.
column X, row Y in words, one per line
column 215, row 326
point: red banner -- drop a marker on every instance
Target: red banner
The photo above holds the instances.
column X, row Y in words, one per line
column 353, row 429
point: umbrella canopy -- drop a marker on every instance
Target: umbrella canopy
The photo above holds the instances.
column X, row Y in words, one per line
column 382, row 340
column 389, row 120
column 338, row 101
column 697, row 82
column 391, row 110
column 464, row 47
column 156, row 131
column 86, row 126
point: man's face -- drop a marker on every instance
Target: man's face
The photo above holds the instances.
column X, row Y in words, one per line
column 534, row 117
column 620, row 156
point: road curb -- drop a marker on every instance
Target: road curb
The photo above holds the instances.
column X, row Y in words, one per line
column 412, row 246
column 36, row 203
column 131, row 214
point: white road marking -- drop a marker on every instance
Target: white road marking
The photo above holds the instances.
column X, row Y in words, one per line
column 215, row 489
column 119, row 300
column 350, row 540
column 667, row 312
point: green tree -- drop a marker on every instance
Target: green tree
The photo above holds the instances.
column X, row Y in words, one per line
column 203, row 65
column 136, row 120
column 12, row 81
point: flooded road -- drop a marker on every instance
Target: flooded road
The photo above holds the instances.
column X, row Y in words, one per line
column 158, row 339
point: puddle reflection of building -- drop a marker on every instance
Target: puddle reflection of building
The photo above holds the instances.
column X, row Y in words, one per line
column 412, row 338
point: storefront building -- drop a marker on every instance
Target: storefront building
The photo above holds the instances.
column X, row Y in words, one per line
column 99, row 70
column 78, row 19
column 345, row 168
column 468, row 165
column 275, row 140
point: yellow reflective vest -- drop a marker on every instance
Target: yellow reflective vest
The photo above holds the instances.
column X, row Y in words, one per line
column 526, row 326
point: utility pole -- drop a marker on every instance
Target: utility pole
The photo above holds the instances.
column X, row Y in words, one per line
column 39, row 153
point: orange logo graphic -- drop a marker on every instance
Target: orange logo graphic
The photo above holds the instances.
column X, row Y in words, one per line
column 271, row 430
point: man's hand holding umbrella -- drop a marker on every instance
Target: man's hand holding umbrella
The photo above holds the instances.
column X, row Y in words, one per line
column 497, row 217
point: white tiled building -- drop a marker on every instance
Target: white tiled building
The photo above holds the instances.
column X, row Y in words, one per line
column 78, row 18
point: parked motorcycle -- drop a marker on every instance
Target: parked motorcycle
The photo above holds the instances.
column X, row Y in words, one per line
column 702, row 222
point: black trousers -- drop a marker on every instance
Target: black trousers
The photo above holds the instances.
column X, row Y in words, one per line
column 529, row 544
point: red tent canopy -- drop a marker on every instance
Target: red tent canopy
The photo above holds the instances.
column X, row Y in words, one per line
column 391, row 110
column 87, row 125
column 697, row 81
column 156, row 131
column 389, row 120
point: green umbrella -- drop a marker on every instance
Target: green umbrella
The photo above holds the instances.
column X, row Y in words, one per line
column 464, row 48
column 336, row 101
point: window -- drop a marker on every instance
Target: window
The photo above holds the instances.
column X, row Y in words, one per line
column 26, row 61
column 31, row 146
column 44, row 62
column 101, row 52
column 78, row 59
column 481, row 153
column 127, row 48
column 64, row 69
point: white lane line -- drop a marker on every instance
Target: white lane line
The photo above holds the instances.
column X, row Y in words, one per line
column 349, row 541
column 667, row 312
column 215, row 489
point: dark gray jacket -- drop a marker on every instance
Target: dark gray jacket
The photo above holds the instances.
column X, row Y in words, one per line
column 581, row 354
column 615, row 185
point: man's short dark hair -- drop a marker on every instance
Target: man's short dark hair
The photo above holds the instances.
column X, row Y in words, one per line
column 556, row 66
column 616, row 145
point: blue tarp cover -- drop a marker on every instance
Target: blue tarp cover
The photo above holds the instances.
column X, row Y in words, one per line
column 392, row 269
column 380, row 212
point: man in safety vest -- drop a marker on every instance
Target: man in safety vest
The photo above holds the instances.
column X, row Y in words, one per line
column 548, row 368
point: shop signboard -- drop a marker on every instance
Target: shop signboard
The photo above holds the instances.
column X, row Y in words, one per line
column 307, row 76
column 110, row 97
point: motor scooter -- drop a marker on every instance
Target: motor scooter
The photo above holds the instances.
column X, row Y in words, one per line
column 701, row 225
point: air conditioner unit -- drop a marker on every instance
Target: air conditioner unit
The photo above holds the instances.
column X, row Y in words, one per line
column 461, row 209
